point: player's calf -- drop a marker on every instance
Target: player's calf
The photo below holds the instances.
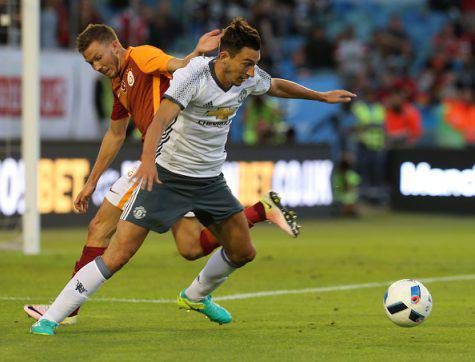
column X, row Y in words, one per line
column 115, row 260
column 99, row 233
column 103, row 225
column 125, row 243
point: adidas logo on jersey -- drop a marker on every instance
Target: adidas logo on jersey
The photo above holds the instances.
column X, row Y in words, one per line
column 208, row 105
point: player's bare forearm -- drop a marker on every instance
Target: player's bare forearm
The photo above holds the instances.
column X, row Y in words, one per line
column 177, row 63
column 283, row 88
column 167, row 112
column 147, row 172
column 207, row 43
column 111, row 144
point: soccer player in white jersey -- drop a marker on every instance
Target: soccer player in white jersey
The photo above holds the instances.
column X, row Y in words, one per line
column 140, row 76
column 185, row 171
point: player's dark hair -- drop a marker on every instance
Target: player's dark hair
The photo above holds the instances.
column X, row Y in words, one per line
column 239, row 34
column 95, row 32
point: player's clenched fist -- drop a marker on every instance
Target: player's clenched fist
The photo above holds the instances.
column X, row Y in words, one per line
column 146, row 174
column 82, row 200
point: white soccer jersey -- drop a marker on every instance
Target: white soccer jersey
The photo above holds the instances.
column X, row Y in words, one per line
column 194, row 144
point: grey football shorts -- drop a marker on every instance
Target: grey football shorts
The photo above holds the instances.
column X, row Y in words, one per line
column 209, row 198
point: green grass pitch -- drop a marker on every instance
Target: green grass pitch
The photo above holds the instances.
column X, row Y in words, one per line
column 333, row 325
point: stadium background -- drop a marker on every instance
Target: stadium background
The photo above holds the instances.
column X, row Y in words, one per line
column 412, row 67
column 405, row 145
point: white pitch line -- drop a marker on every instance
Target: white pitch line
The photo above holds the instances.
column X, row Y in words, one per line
column 269, row 293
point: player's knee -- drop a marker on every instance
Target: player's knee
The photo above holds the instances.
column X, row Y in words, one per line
column 191, row 254
column 243, row 256
column 97, row 235
column 190, row 251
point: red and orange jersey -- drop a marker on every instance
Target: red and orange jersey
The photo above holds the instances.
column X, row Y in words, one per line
column 140, row 85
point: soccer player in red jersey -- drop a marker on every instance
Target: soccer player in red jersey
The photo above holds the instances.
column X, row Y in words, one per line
column 140, row 76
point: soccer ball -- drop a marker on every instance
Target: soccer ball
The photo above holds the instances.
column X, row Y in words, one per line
column 407, row 303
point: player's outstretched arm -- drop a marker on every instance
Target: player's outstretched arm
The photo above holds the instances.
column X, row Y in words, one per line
column 207, row 43
column 111, row 144
column 147, row 171
column 283, row 88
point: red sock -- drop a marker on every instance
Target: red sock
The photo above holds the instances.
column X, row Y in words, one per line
column 255, row 214
column 89, row 253
column 208, row 241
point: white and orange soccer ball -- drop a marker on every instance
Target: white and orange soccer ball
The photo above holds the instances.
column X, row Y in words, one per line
column 407, row 303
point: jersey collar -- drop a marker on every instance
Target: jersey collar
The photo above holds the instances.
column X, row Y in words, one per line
column 215, row 77
column 126, row 58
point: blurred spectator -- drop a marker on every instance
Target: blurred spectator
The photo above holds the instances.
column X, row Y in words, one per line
column 440, row 5
column 103, row 101
column 376, row 57
column 163, row 26
column 403, row 120
column 447, row 135
column 64, row 36
column 345, row 182
column 308, row 13
column 350, row 54
column 236, row 8
column 431, row 114
column 318, row 51
column 460, row 113
column 54, row 24
column 5, row 21
column 49, row 25
column 265, row 19
column 446, row 42
column 398, row 45
column 371, row 156
column 87, row 14
column 343, row 123
column 131, row 24
column 263, row 122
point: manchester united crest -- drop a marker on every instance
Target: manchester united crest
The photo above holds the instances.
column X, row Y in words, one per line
column 139, row 212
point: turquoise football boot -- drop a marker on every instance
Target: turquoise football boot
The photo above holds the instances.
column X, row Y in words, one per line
column 44, row 327
column 210, row 309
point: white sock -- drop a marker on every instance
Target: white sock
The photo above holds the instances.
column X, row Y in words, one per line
column 83, row 284
column 215, row 273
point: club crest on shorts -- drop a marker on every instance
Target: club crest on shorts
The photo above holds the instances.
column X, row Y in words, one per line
column 139, row 212
column 130, row 78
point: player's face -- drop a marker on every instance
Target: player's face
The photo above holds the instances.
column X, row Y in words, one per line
column 241, row 66
column 103, row 57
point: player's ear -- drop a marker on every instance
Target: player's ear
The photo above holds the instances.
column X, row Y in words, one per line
column 223, row 55
column 116, row 46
